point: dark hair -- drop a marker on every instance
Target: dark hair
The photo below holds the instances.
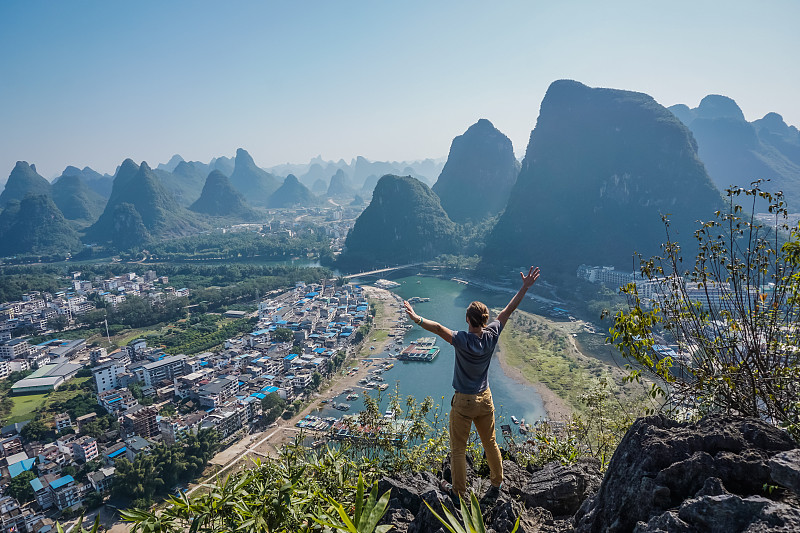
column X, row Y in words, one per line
column 477, row 314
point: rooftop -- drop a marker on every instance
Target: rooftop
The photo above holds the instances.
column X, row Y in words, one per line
column 60, row 482
column 165, row 361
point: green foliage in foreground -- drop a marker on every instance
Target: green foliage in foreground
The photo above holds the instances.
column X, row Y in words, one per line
column 736, row 331
column 366, row 513
column 287, row 494
column 471, row 516
column 304, row 490
column 79, row 526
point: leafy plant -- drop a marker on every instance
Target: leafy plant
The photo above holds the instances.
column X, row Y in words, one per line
column 366, row 513
column 471, row 518
column 732, row 317
column 79, row 527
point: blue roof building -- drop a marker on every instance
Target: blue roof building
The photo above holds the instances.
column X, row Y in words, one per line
column 36, row 484
column 117, row 453
column 60, row 482
column 21, row 466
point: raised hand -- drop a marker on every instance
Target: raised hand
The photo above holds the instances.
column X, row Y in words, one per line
column 530, row 279
column 410, row 311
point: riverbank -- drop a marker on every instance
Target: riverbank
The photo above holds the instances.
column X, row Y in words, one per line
column 555, row 407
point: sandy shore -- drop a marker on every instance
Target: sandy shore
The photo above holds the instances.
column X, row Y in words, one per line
column 555, row 407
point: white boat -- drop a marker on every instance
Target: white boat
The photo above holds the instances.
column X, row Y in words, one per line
column 514, row 419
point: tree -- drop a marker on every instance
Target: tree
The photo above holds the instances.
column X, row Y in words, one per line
column 316, row 379
column 165, row 466
column 20, row 487
column 35, row 430
column 92, row 429
column 58, row 322
column 136, row 390
column 93, row 500
column 18, row 375
column 272, row 406
column 732, row 317
column 283, row 335
column 272, row 400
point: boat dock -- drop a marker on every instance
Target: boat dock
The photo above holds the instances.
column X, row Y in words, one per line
column 422, row 349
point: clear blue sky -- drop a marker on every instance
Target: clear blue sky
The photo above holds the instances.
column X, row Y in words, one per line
column 91, row 83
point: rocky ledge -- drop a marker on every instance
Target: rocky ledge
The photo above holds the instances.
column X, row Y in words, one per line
column 723, row 473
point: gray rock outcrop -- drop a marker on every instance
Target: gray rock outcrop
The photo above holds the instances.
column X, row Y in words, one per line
column 722, row 474
column 710, row 476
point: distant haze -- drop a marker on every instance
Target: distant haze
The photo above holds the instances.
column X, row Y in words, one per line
column 92, row 83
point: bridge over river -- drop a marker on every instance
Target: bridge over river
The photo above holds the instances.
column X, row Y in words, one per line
column 382, row 270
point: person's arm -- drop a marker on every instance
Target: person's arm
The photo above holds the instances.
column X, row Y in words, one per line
column 430, row 325
column 527, row 281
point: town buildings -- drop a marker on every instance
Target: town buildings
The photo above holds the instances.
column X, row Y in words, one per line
column 220, row 390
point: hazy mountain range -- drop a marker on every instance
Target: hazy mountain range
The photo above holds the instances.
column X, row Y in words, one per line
column 736, row 152
column 139, row 203
column 601, row 168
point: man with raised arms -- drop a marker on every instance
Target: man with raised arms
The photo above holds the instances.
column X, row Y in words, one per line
column 472, row 400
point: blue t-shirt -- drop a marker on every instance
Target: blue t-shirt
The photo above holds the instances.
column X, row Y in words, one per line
column 473, row 355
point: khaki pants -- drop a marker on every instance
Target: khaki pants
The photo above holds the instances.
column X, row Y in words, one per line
column 466, row 409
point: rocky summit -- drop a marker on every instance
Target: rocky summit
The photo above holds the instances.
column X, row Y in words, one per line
column 23, row 181
column 723, row 473
column 219, row 198
column 737, row 152
column 713, row 475
column 479, row 173
column 403, row 222
column 255, row 184
column 601, row 169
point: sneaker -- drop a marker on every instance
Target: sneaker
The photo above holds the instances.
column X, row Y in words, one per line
column 491, row 495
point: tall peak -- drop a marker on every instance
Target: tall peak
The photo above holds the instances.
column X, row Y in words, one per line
column 22, row 181
column 479, row 173
column 719, row 106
